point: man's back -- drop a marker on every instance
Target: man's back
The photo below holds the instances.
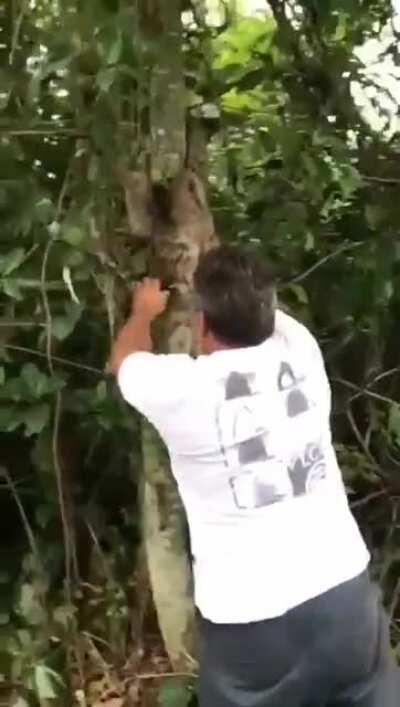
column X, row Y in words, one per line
column 249, row 438
column 288, row 615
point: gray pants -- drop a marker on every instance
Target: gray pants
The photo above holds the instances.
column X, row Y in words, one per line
column 332, row 651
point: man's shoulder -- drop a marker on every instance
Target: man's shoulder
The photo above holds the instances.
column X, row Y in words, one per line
column 144, row 367
column 291, row 329
column 151, row 358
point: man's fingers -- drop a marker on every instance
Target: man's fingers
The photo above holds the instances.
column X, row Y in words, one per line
column 153, row 282
column 149, row 283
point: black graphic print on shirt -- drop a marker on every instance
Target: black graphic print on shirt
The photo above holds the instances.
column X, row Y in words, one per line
column 249, row 490
column 250, row 450
column 261, row 479
column 307, row 470
column 296, row 401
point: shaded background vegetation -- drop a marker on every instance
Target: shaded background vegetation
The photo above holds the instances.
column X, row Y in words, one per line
column 297, row 166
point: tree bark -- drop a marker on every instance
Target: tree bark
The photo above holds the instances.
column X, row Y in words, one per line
column 179, row 228
column 161, row 27
column 166, row 547
column 187, row 231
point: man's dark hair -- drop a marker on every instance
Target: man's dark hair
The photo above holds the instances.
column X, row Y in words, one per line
column 236, row 292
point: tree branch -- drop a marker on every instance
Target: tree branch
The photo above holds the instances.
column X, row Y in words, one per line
column 338, row 251
column 364, row 391
column 55, row 359
column 370, row 497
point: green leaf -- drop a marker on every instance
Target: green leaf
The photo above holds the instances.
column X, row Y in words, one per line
column 9, row 418
column 64, row 615
column 115, row 50
column 299, row 292
column 394, row 422
column 373, row 215
column 93, row 169
column 4, row 618
column 235, row 46
column 64, row 325
column 21, row 702
column 105, row 79
column 12, row 289
column 110, row 44
column 174, row 693
column 30, row 373
column 310, row 241
column 235, row 101
column 101, row 391
column 29, row 605
column 11, row 261
column 25, row 638
column 44, row 683
column 4, row 98
column 74, row 235
column 37, row 384
column 341, row 27
column 53, row 67
column 45, row 210
column 35, row 418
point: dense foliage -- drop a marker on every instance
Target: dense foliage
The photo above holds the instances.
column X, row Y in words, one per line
column 298, row 168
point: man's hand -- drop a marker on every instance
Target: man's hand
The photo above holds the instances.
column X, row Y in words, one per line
column 149, row 300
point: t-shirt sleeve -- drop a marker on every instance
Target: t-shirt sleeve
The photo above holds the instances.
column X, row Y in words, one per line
column 156, row 385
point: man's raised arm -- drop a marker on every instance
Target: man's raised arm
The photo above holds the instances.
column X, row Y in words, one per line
column 148, row 302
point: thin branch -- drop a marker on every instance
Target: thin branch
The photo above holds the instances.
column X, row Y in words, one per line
column 155, row 676
column 385, row 374
column 55, row 359
column 361, row 441
column 367, row 389
column 20, row 482
column 100, row 552
column 395, row 600
column 367, row 499
column 17, row 30
column 391, row 458
column 46, row 304
column 51, row 129
column 319, row 263
column 381, row 180
column 43, row 276
column 24, row 518
column 13, row 323
column 364, row 391
column 388, row 539
column 69, row 546
column 44, row 132
column 30, row 284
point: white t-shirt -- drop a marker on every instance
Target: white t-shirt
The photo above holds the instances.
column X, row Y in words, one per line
column 248, row 433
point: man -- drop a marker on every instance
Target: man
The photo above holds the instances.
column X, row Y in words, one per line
column 289, row 617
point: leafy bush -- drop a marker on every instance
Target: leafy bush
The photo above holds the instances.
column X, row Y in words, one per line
column 296, row 168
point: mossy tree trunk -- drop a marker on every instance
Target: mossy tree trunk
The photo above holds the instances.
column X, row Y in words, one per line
column 178, row 231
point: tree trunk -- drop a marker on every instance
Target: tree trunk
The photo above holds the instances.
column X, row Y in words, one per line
column 165, row 541
column 161, row 28
column 177, row 243
column 180, row 229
